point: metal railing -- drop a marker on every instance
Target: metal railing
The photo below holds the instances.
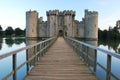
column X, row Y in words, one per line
column 38, row 48
column 84, row 49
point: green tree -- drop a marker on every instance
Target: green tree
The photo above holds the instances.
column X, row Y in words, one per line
column 19, row 32
column 9, row 31
column 1, row 31
column 112, row 34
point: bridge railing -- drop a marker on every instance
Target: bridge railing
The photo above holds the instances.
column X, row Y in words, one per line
column 84, row 51
column 38, row 48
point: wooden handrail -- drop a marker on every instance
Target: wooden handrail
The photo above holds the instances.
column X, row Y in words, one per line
column 46, row 43
column 19, row 50
column 97, row 48
column 76, row 43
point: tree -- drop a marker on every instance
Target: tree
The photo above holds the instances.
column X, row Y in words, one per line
column 9, row 31
column 18, row 32
column 1, row 31
column 111, row 34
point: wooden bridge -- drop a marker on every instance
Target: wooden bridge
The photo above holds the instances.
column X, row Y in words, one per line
column 56, row 60
column 60, row 63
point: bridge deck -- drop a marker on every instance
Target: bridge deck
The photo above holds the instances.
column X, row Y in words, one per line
column 60, row 63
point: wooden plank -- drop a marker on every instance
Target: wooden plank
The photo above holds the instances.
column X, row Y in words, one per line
column 60, row 63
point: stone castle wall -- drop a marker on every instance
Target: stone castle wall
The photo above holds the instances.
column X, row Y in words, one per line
column 80, row 29
column 42, row 27
column 58, row 21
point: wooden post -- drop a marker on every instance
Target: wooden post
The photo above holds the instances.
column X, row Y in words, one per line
column 45, row 46
column 86, row 57
column 42, row 48
column 35, row 59
column 83, row 52
column 27, row 58
column 108, row 67
column 39, row 52
column 80, row 49
column 95, row 61
column 14, row 67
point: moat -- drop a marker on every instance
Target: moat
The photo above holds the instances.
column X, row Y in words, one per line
column 10, row 44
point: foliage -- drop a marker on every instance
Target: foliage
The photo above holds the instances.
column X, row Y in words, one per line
column 111, row 34
column 18, row 32
column 1, row 31
column 112, row 44
column 9, row 31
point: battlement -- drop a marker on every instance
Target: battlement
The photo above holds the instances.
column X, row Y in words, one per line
column 92, row 13
column 40, row 20
column 34, row 11
column 61, row 13
column 56, row 12
column 69, row 12
column 52, row 12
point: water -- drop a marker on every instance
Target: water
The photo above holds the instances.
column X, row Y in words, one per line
column 113, row 46
column 11, row 44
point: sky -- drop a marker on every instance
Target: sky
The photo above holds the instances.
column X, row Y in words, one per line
column 13, row 12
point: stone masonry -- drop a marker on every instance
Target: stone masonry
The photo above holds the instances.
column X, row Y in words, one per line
column 62, row 23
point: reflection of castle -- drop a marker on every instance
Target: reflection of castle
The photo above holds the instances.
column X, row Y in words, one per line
column 62, row 23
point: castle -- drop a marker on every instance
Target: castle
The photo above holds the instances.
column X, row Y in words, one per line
column 62, row 23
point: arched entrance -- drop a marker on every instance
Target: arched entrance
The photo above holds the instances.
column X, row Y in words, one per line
column 60, row 32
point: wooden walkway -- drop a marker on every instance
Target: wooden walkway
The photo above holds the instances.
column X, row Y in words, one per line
column 60, row 63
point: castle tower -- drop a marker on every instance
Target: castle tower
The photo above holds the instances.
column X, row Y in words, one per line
column 69, row 22
column 52, row 23
column 31, row 24
column 91, row 25
column 40, row 19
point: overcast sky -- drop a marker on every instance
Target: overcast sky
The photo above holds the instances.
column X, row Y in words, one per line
column 12, row 12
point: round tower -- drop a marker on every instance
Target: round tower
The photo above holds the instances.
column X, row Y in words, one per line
column 91, row 25
column 31, row 24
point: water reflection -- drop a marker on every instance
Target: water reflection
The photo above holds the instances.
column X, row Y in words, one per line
column 31, row 51
column 112, row 45
column 1, row 41
column 11, row 41
column 18, row 41
column 11, row 44
column 92, row 53
column 98, row 62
